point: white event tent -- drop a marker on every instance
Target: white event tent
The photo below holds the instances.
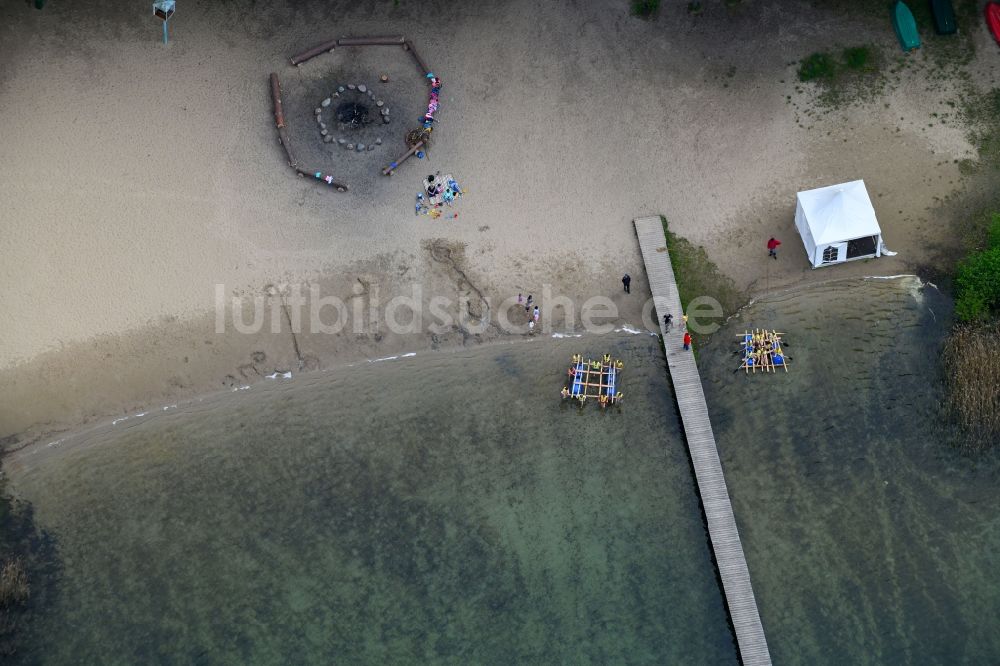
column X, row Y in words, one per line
column 837, row 224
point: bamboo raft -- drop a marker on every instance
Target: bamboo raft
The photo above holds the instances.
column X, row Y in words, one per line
column 593, row 379
column 761, row 350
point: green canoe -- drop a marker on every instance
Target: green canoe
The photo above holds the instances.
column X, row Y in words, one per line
column 944, row 17
column 906, row 26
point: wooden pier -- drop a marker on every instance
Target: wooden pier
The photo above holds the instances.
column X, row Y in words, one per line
column 701, row 445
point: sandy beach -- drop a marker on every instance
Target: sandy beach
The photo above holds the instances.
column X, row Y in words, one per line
column 138, row 176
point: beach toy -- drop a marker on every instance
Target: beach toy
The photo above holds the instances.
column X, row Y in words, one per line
column 420, row 154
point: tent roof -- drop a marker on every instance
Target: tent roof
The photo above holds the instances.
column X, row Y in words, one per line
column 839, row 212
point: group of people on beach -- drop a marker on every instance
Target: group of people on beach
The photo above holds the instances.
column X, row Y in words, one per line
column 535, row 314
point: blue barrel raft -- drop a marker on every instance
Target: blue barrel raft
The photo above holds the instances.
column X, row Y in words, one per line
column 594, row 378
column 760, row 349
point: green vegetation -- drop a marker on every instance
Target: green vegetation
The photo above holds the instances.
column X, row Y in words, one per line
column 859, row 58
column 817, row 66
column 697, row 275
column 977, row 281
column 970, row 354
column 645, row 8
column 855, row 73
column 824, row 67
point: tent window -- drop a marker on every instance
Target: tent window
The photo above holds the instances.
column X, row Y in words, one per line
column 831, row 254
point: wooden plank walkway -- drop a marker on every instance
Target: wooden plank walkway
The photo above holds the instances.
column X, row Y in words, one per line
column 701, row 444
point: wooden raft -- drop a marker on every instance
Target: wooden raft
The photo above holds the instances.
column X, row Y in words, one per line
column 593, row 379
column 761, row 350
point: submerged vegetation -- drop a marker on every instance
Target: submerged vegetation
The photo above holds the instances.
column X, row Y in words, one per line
column 645, row 8
column 28, row 570
column 697, row 275
column 974, row 383
column 13, row 583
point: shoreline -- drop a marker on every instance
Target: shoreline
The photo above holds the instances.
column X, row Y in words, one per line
column 101, row 427
column 31, row 442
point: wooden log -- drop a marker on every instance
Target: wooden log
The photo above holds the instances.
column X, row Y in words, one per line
column 309, row 54
column 287, row 145
column 395, row 165
column 408, row 46
column 279, row 112
column 376, row 40
column 318, row 175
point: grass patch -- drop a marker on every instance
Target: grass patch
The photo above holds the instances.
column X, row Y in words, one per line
column 697, row 275
column 645, row 8
column 854, row 73
column 977, row 280
column 818, row 66
column 859, row 59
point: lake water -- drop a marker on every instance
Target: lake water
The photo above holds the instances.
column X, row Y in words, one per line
column 443, row 508
column 869, row 538
column 448, row 508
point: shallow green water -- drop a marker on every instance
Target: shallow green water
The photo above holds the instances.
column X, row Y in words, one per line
column 448, row 509
column 443, row 508
column 869, row 539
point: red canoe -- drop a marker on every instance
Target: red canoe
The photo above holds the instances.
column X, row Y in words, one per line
column 993, row 18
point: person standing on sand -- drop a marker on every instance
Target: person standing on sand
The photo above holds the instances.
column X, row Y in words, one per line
column 627, row 281
column 536, row 313
column 527, row 304
column 772, row 247
column 687, row 341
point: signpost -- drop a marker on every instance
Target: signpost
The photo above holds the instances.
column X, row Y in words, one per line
column 163, row 10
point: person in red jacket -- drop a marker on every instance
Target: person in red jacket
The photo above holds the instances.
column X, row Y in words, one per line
column 687, row 341
column 772, row 247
